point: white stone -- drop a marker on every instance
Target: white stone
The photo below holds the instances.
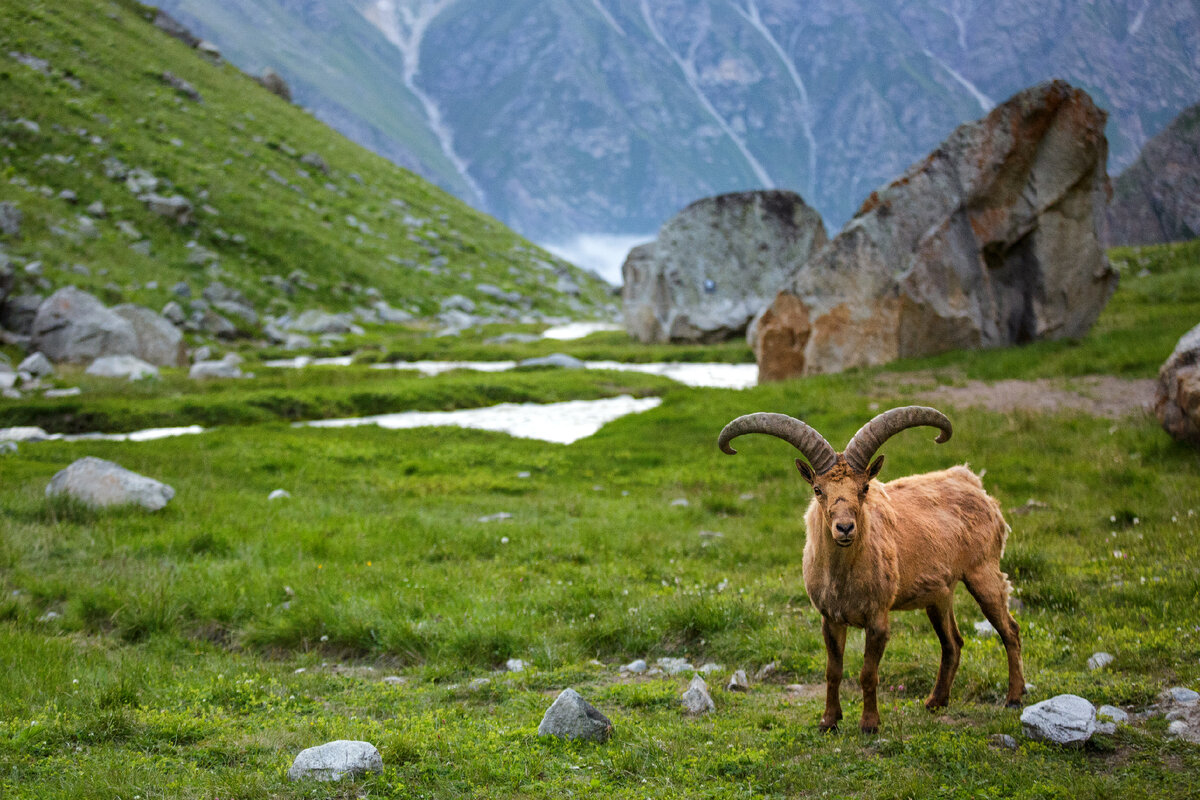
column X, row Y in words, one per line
column 673, row 666
column 36, row 364
column 97, row 482
column 637, row 666
column 1183, row 696
column 336, row 760
column 984, row 628
column 738, row 682
column 1100, row 660
column 129, row 367
column 1067, row 720
column 279, row 494
column 696, row 698
column 1113, row 714
column 515, row 665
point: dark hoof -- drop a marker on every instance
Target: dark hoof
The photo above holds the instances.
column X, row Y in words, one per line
column 868, row 729
column 830, row 728
column 1013, row 704
column 934, row 706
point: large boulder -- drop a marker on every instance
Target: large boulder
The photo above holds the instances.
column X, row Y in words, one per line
column 99, row 483
column 1177, row 395
column 991, row 240
column 716, row 264
column 1158, row 198
column 158, row 341
column 72, row 325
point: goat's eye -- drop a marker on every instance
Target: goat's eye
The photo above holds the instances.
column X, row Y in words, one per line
column 817, row 491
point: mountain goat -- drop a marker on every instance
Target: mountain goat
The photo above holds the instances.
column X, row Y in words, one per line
column 873, row 547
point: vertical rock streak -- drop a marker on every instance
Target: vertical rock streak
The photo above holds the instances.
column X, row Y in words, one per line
column 608, row 17
column 751, row 15
column 986, row 103
column 688, row 68
column 405, row 25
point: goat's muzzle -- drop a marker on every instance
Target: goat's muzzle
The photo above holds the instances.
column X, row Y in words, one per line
column 843, row 535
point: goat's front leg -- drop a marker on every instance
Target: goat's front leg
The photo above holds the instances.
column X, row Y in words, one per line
column 877, row 638
column 835, row 645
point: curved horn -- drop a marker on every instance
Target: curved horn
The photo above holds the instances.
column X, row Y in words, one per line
column 796, row 433
column 870, row 437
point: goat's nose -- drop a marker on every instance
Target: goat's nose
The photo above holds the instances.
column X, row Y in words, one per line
column 845, row 528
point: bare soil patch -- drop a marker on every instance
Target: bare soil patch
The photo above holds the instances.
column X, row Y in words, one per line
column 1098, row 395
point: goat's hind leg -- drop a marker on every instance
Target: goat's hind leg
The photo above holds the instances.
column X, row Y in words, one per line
column 941, row 614
column 835, row 646
column 989, row 586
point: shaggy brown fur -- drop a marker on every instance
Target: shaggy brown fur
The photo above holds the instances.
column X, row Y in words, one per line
column 877, row 547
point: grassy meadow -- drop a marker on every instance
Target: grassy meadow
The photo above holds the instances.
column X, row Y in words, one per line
column 194, row 651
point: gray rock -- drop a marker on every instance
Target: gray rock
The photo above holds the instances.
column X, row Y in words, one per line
column 456, row 302
column 561, row 360
column 180, row 85
column 1003, row 740
column 176, row 207
column 738, row 682
column 217, row 325
column 637, row 666
column 498, row 294
column 297, row 341
column 1100, row 660
column 140, row 181
column 673, row 666
column 989, row 241
column 174, row 313
column 69, row 196
column 158, row 340
column 37, row 365
column 209, row 50
column 316, row 321
column 225, row 368
column 389, row 315
column 515, row 665
column 315, row 161
column 336, row 760
column 696, row 699
column 97, row 210
column 7, row 276
column 572, row 717
column 1180, row 695
column 10, row 219
column 984, row 628
column 1067, row 719
column 129, row 367
column 172, row 27
column 72, row 325
column 1112, row 714
column 97, row 482
column 243, row 312
column 8, row 447
column 716, row 264
column 1177, row 393
column 182, row 290
column 274, row 83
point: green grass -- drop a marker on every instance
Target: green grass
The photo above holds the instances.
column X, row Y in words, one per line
column 185, row 628
column 106, row 63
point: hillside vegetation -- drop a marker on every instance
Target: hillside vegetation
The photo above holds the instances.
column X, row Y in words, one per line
column 89, row 105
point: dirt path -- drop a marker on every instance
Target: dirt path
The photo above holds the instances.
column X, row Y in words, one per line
column 1098, row 395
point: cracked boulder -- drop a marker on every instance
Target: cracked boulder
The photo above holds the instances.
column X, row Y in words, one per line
column 72, row 325
column 716, row 264
column 991, row 240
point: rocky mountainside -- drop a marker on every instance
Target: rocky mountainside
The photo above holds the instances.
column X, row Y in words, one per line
column 611, row 115
column 143, row 170
column 1158, row 198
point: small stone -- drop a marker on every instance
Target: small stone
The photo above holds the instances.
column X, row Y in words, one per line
column 737, row 682
column 766, row 671
column 696, row 699
column 1177, row 728
column 709, row 667
column 336, row 760
column 97, row 482
column 49, row 616
column 279, row 494
column 1100, row 660
column 515, row 665
column 98, row 210
column 128, row 367
column 1182, row 696
column 572, row 717
column 673, row 666
column 499, row 516
column 479, row 683
column 394, row 680
column 1003, row 740
column 37, row 365
column 637, row 666
column 1113, row 714
column 984, row 628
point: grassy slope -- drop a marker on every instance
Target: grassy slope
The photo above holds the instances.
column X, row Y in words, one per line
column 174, row 626
column 218, row 152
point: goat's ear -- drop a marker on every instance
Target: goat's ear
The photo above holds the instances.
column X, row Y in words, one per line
column 875, row 467
column 805, row 471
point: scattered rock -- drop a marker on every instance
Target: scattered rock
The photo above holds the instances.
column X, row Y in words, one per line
column 1108, row 718
column 209, row 50
column 129, row 367
column 456, row 302
column 479, row 683
column 637, row 666
column 72, row 325
column 1100, row 660
column 158, row 340
column 174, row 313
column 179, row 84
column 1182, row 696
column 717, row 264
column 316, row 321
column 279, row 494
column 315, row 161
column 97, row 482
column 213, row 323
column 498, row 294
column 69, row 196
column 984, row 628
column 1003, row 741
column 389, row 315
column 176, row 207
column 97, row 210
column 572, row 717
column 673, row 666
column 1067, row 720
column 515, row 665
column 738, row 682
column 696, row 699
column 989, row 241
column 70, row 391
column 37, row 365
column 172, row 27
column 274, row 83
column 766, row 671
column 225, row 368
column 1177, row 393
column 10, row 219
column 336, row 760
column 140, row 181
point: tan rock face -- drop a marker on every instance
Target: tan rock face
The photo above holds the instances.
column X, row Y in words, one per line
column 716, row 264
column 989, row 241
column 1177, row 396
